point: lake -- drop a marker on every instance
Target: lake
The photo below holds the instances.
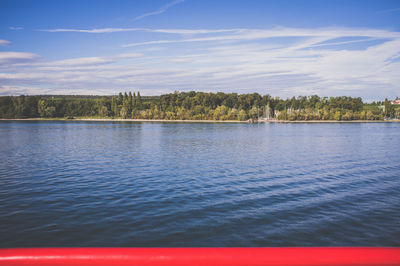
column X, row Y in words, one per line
column 77, row 183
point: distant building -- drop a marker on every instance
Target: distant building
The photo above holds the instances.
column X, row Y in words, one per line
column 397, row 101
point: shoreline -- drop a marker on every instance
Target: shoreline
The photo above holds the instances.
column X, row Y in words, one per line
column 198, row 121
column 122, row 120
column 336, row 121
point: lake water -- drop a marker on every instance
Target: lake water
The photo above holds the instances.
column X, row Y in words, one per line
column 199, row 184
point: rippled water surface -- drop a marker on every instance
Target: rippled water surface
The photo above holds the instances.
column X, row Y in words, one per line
column 155, row 184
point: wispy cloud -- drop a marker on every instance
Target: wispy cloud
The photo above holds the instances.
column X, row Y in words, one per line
column 8, row 58
column 344, row 42
column 167, row 31
column 389, row 10
column 4, row 42
column 258, row 34
column 160, row 10
column 280, row 61
column 15, row 28
column 88, row 61
column 102, row 30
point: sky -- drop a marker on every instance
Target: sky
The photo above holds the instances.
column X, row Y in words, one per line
column 282, row 48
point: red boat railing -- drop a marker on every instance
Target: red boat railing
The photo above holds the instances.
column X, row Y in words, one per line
column 201, row 256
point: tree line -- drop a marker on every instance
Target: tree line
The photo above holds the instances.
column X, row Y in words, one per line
column 196, row 106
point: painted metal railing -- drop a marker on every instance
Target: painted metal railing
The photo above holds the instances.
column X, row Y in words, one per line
column 201, row 256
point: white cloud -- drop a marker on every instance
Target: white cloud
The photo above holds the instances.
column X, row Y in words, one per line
column 21, row 60
column 344, row 42
column 281, row 61
column 16, row 57
column 15, row 28
column 83, row 61
column 256, row 34
column 180, row 60
column 102, row 30
column 167, row 31
column 18, row 90
column 389, row 10
column 4, row 42
column 128, row 55
column 160, row 10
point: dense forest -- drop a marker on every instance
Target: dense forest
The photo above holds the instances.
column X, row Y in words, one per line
column 196, row 106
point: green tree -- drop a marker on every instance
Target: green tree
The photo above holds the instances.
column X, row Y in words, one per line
column 114, row 107
column 242, row 116
column 337, row 116
column 123, row 112
column 120, row 98
column 139, row 101
column 103, row 111
column 282, row 115
column 389, row 109
column 254, row 113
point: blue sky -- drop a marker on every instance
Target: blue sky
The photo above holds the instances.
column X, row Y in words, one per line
column 283, row 48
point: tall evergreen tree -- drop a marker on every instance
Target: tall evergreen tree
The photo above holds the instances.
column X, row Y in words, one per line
column 139, row 101
column 130, row 97
column 133, row 100
column 114, row 106
column 120, row 98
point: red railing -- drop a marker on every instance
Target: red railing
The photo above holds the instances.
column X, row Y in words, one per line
column 201, row 256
